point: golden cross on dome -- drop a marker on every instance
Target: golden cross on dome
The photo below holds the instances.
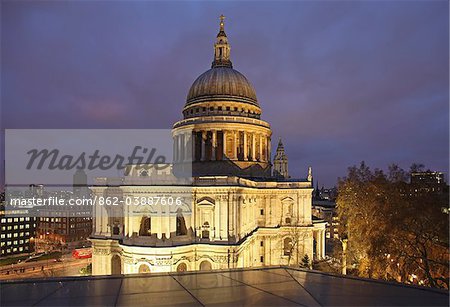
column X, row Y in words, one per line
column 222, row 18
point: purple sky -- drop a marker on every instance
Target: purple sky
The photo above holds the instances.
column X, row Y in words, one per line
column 341, row 82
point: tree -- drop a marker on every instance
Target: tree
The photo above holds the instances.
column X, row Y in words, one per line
column 305, row 262
column 293, row 240
column 392, row 235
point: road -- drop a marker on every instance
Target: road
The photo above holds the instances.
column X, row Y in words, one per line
column 44, row 268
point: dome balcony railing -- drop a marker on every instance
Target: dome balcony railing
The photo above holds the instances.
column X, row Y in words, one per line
column 227, row 113
column 219, row 119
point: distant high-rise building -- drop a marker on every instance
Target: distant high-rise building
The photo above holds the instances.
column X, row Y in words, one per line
column 422, row 183
column 18, row 232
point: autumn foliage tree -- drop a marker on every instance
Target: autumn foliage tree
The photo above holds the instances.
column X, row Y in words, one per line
column 392, row 233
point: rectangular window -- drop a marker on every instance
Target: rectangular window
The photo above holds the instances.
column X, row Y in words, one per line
column 262, row 211
column 261, row 243
column 261, row 258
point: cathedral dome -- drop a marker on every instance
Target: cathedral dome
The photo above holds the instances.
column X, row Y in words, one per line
column 221, row 133
column 222, row 83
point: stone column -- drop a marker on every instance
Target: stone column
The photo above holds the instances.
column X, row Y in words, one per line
column 253, row 147
column 260, row 148
column 323, row 243
column 235, row 145
column 245, row 147
column 175, row 148
column 187, row 154
column 203, row 146
column 269, row 154
column 214, row 145
column 224, row 144
column 193, row 140
column 179, row 149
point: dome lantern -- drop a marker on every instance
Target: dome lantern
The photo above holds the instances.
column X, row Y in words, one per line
column 221, row 48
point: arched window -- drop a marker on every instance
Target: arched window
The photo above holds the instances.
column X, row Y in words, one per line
column 205, row 266
column 116, row 265
column 181, row 225
column 287, row 246
column 146, row 226
column 288, row 220
column 182, row 267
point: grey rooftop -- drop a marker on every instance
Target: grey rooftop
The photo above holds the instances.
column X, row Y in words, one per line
column 279, row 286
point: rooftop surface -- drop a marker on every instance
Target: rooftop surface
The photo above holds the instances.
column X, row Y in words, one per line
column 278, row 286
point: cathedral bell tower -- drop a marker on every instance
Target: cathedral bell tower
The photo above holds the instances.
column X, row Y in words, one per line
column 280, row 163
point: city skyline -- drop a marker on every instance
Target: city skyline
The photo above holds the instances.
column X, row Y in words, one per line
column 339, row 82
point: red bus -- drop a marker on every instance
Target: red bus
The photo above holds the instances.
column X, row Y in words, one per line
column 82, row 253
